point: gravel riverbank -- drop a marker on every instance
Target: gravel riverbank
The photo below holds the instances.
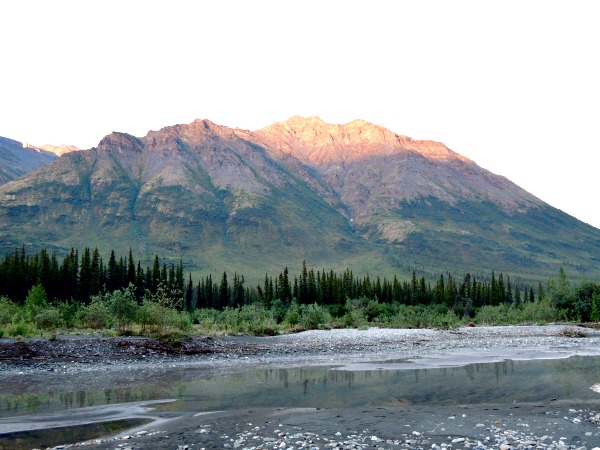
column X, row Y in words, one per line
column 91, row 362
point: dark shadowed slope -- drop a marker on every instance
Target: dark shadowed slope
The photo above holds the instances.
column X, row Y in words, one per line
column 16, row 160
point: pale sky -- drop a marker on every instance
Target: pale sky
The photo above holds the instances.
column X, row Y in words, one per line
column 513, row 85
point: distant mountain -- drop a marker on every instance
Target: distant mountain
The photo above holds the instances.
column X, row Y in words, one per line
column 17, row 159
column 58, row 150
column 337, row 196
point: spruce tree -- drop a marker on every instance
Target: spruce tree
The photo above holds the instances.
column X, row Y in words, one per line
column 189, row 295
column 85, row 277
column 130, row 269
column 223, row 292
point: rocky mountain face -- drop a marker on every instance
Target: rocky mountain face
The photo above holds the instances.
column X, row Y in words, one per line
column 374, row 172
column 337, row 196
column 17, row 159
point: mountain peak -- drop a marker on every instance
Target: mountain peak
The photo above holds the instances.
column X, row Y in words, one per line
column 116, row 141
column 315, row 141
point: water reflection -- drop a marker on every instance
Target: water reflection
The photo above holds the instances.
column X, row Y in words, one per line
column 500, row 382
column 56, row 436
column 30, row 403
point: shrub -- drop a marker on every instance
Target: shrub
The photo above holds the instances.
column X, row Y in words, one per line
column 448, row 320
column 207, row 318
column 183, row 321
column 257, row 320
column 1, row 332
column 96, row 315
column 49, row 318
column 123, row 307
column 68, row 311
column 35, row 302
column 338, row 311
column 8, row 310
column 376, row 311
column 541, row 311
column 313, row 316
column 159, row 309
column 292, row 317
column 21, row 328
column 595, row 313
column 279, row 310
column 420, row 316
column 147, row 315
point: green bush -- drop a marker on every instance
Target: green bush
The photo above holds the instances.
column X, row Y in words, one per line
column 183, row 321
column 123, row 307
column 542, row 311
column 8, row 310
column 420, row 316
column 35, row 302
column 1, row 333
column 96, row 315
column 448, row 320
column 376, row 311
column 293, row 316
column 539, row 312
column 337, row 311
column 68, row 312
column 207, row 318
column 251, row 319
column 49, row 318
column 257, row 320
column 160, row 320
column 355, row 318
column 21, row 328
column 314, row 316
column 147, row 316
column 595, row 313
column 158, row 313
column 279, row 310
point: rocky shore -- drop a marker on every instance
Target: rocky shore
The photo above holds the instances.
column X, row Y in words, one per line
column 96, row 362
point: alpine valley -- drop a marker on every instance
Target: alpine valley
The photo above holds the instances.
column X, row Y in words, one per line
column 352, row 196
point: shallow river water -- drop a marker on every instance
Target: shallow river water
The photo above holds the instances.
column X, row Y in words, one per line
column 384, row 383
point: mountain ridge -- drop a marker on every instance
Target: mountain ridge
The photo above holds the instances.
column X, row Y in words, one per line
column 355, row 195
column 17, row 159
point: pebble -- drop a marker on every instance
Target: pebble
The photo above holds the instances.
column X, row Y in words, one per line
column 501, row 438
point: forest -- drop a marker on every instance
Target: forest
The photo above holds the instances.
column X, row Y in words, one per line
column 83, row 290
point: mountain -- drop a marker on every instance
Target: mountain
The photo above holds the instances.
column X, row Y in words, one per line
column 337, row 196
column 58, row 150
column 17, row 159
column 431, row 207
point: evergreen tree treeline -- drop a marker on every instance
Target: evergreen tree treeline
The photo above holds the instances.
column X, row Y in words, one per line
column 78, row 277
